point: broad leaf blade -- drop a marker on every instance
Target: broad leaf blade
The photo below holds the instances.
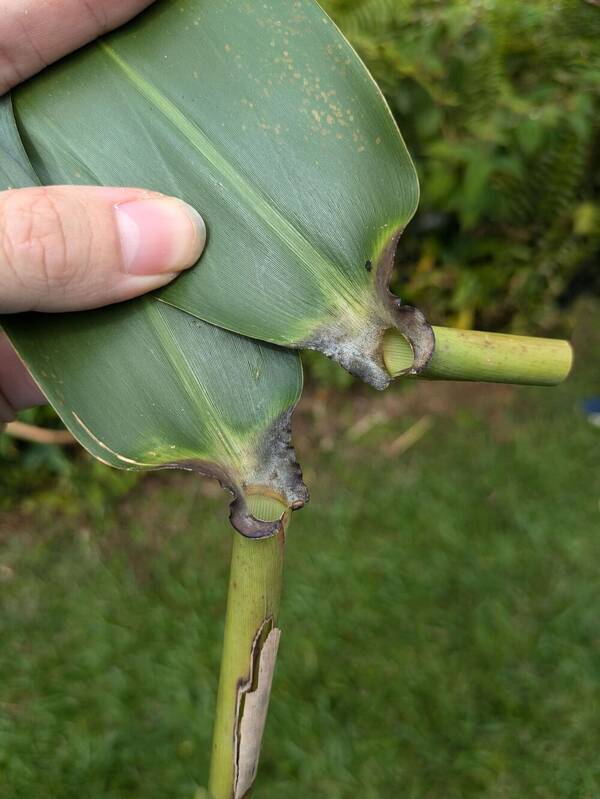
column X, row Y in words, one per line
column 143, row 385
column 146, row 386
column 261, row 115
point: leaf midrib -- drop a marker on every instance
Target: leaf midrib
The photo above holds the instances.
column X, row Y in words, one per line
column 311, row 259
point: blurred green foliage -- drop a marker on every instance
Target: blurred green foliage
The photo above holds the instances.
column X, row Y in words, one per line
column 50, row 480
column 499, row 103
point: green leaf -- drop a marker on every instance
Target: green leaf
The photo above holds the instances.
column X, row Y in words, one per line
column 262, row 116
column 15, row 168
column 143, row 385
column 530, row 135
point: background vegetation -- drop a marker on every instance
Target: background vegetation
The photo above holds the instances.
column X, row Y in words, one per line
column 453, row 654
column 499, row 103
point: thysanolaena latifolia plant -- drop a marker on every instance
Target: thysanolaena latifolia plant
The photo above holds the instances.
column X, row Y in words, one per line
column 261, row 115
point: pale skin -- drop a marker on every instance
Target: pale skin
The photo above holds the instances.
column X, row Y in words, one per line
column 67, row 248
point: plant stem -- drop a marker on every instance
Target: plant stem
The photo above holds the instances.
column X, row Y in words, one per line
column 485, row 357
column 249, row 650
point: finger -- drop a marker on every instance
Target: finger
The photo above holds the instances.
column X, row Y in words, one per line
column 17, row 388
column 34, row 34
column 65, row 248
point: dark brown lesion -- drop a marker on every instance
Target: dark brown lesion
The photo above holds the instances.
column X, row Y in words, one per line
column 359, row 349
column 277, row 474
column 247, row 524
column 409, row 321
column 240, row 516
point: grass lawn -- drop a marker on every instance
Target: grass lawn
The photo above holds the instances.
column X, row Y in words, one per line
column 441, row 617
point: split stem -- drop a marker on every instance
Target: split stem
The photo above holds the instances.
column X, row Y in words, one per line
column 486, row 357
column 249, row 651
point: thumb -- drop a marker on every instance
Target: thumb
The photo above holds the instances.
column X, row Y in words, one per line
column 65, row 248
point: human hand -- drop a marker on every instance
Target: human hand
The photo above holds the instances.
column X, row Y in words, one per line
column 66, row 248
